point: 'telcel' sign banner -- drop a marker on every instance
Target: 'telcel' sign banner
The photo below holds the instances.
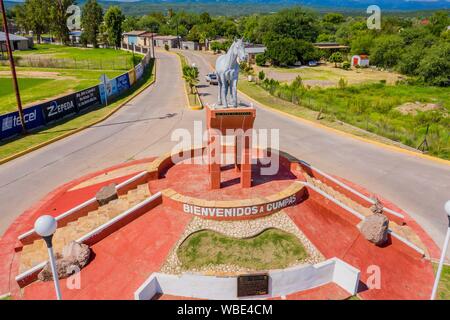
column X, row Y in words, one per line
column 10, row 123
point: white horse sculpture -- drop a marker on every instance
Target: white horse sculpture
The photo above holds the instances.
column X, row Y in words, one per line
column 227, row 70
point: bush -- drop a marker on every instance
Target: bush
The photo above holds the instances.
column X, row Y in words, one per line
column 342, row 84
column 261, row 75
column 261, row 59
column 346, row 65
column 166, row 46
column 336, row 58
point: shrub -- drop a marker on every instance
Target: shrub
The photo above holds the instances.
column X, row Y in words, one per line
column 336, row 58
column 166, row 46
column 342, row 84
column 261, row 75
column 346, row 65
column 261, row 59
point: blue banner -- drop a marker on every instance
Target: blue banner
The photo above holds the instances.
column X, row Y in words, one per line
column 10, row 124
column 123, row 82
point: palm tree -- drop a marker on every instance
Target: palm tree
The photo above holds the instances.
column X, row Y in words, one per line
column 190, row 75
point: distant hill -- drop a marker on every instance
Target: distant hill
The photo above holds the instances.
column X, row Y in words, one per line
column 239, row 7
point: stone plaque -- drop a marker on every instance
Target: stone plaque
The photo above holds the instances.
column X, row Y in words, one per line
column 252, row 285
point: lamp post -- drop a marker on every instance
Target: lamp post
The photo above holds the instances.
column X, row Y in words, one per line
column 444, row 251
column 45, row 226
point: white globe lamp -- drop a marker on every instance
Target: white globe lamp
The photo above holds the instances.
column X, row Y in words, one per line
column 45, row 226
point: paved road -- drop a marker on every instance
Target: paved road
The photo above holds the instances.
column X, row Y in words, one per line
column 417, row 185
column 141, row 128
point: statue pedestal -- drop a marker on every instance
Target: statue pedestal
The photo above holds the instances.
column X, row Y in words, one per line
column 238, row 123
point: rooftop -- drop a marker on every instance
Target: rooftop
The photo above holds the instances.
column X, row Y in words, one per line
column 134, row 33
column 12, row 37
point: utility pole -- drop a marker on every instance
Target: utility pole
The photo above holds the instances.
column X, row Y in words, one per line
column 13, row 67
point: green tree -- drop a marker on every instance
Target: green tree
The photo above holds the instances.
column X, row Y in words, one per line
column 149, row 23
column 58, row 18
column 130, row 23
column 91, row 19
column 386, row 51
column 35, row 16
column 434, row 68
column 334, row 18
column 190, row 75
column 410, row 59
column 295, row 23
column 361, row 44
column 438, row 22
column 113, row 22
column 336, row 58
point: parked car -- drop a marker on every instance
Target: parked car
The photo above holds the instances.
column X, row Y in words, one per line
column 312, row 63
column 212, row 78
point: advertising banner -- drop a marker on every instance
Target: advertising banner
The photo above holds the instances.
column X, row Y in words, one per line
column 59, row 108
column 88, row 98
column 10, row 123
column 131, row 77
column 122, row 82
column 139, row 71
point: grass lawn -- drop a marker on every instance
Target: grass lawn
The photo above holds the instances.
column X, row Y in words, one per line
column 369, row 110
column 39, row 84
column 77, row 57
column 444, row 284
column 11, row 147
column 271, row 249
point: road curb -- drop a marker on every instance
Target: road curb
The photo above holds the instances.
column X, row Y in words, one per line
column 346, row 134
column 46, row 143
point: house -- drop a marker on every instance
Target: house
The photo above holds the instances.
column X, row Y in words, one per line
column 17, row 42
column 331, row 46
column 162, row 41
column 145, row 39
column 190, row 45
column 252, row 50
column 75, row 36
column 132, row 38
column 361, row 60
column 208, row 42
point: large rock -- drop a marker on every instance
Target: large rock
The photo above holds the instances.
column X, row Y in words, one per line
column 74, row 257
column 375, row 228
column 377, row 207
column 106, row 194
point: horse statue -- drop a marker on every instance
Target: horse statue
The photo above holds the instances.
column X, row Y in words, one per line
column 227, row 70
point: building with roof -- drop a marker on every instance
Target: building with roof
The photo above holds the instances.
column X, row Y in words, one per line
column 333, row 46
column 17, row 42
column 252, row 50
column 171, row 41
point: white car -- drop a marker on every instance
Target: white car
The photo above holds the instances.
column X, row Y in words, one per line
column 212, row 78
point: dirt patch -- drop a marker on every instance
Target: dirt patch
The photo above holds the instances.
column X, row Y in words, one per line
column 412, row 108
column 38, row 74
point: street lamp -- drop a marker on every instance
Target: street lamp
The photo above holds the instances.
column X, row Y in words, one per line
column 444, row 251
column 45, row 226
